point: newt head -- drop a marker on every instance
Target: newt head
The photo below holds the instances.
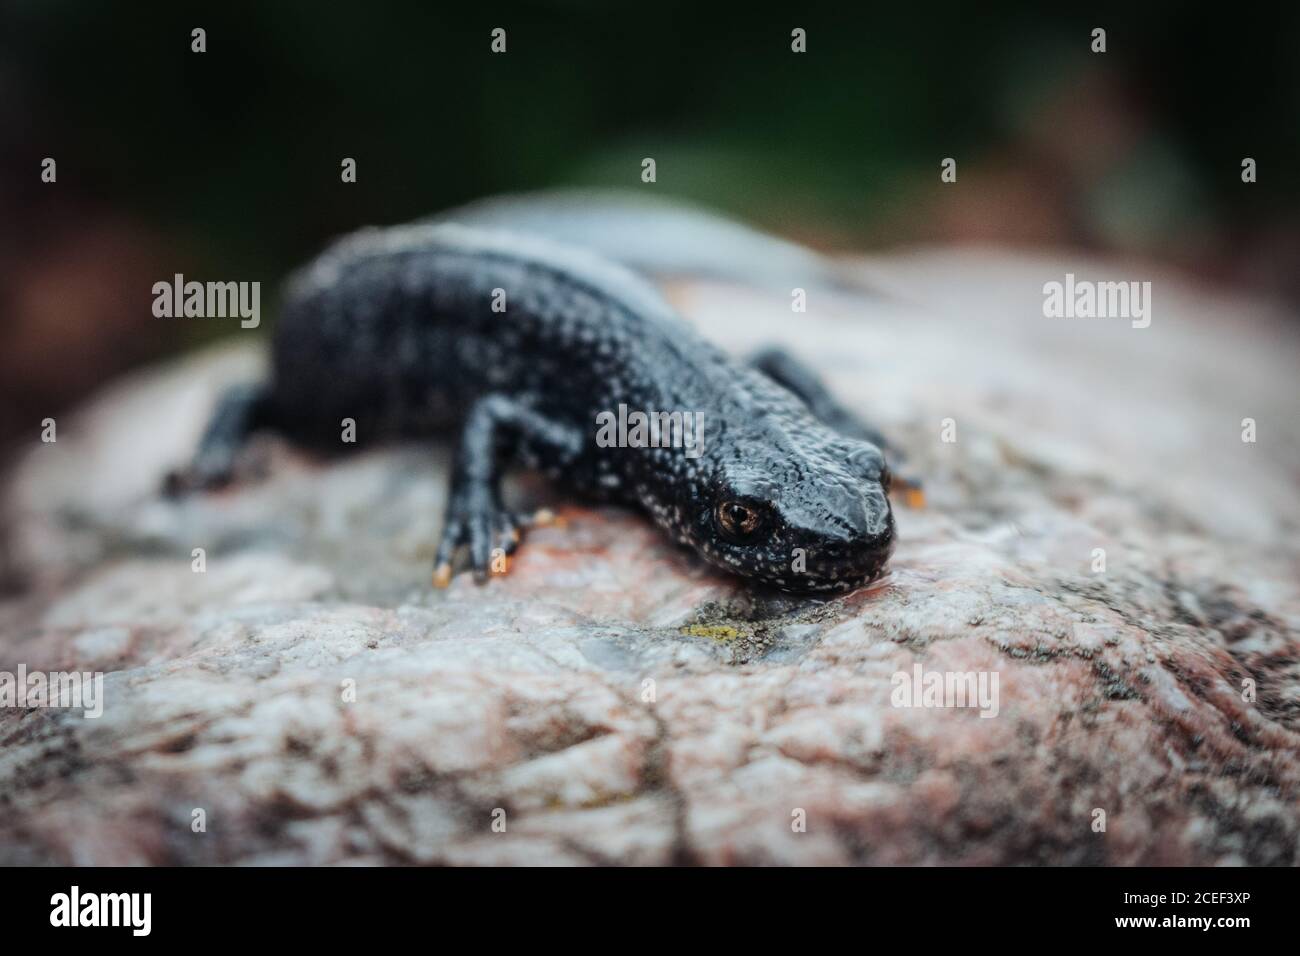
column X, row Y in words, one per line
column 817, row 518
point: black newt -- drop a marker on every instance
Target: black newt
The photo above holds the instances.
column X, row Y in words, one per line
column 525, row 345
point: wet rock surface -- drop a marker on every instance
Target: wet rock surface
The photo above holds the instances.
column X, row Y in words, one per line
column 612, row 699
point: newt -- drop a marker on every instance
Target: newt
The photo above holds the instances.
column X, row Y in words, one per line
column 520, row 345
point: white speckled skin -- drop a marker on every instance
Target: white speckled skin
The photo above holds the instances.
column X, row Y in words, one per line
column 395, row 328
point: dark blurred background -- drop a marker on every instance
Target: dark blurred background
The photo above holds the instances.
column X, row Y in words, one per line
column 225, row 165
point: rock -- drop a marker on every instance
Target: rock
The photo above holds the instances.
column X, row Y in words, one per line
column 613, row 700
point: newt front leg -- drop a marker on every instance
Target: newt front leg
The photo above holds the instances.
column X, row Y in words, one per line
column 498, row 430
column 788, row 372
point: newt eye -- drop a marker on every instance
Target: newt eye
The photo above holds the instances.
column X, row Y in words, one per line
column 738, row 520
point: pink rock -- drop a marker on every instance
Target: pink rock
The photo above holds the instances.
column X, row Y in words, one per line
column 612, row 700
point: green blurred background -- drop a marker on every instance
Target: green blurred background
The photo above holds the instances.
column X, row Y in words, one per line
column 225, row 165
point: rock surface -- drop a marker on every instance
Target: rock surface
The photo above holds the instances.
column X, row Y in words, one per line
column 613, row 700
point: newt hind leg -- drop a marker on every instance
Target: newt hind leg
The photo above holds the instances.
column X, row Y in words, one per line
column 241, row 410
